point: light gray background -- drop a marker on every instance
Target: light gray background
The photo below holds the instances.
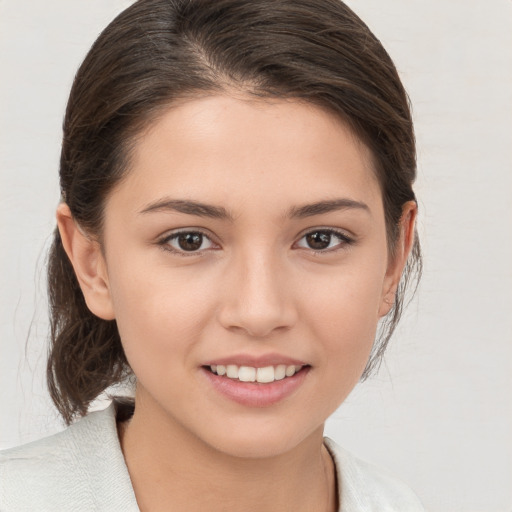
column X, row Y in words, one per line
column 439, row 413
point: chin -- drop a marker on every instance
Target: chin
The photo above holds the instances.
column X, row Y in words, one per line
column 260, row 441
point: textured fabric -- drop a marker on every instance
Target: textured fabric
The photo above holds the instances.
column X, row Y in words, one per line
column 79, row 469
column 83, row 469
column 363, row 487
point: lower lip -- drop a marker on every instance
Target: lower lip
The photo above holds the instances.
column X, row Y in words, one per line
column 256, row 394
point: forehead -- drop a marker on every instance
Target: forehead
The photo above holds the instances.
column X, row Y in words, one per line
column 243, row 151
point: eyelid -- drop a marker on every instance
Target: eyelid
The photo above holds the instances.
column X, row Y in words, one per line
column 163, row 241
column 345, row 239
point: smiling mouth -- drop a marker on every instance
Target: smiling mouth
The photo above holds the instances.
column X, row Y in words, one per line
column 263, row 375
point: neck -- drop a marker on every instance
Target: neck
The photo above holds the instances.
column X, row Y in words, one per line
column 170, row 468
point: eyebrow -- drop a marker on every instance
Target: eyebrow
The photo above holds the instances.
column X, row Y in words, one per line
column 218, row 212
column 188, row 207
column 309, row 210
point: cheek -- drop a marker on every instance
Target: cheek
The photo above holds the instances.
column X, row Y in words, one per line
column 159, row 313
column 342, row 324
column 343, row 312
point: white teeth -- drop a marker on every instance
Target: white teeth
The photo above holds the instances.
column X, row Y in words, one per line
column 249, row 374
column 290, row 371
column 265, row 374
column 280, row 372
column 232, row 371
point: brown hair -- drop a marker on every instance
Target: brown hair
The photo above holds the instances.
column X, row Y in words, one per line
column 158, row 51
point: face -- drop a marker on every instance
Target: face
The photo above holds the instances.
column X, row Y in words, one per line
column 249, row 238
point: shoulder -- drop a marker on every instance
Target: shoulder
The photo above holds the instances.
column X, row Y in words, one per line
column 364, row 486
column 81, row 468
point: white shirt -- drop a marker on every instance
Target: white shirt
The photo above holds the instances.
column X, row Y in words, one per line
column 83, row 469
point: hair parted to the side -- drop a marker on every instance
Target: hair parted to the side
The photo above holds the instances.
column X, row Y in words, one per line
column 160, row 51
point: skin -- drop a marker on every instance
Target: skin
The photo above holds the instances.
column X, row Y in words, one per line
column 255, row 286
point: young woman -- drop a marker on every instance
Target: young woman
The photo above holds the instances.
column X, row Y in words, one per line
column 237, row 220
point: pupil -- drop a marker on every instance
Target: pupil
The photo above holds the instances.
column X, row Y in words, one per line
column 190, row 241
column 318, row 240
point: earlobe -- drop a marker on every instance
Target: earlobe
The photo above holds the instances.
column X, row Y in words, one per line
column 88, row 263
column 397, row 264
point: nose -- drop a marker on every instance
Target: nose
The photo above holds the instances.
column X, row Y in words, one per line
column 256, row 298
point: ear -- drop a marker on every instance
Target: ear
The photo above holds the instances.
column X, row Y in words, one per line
column 397, row 263
column 88, row 263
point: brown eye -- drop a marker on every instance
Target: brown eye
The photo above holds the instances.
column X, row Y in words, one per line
column 187, row 242
column 324, row 240
column 318, row 240
column 190, row 241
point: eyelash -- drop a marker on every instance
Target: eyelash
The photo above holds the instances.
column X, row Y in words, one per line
column 164, row 242
column 344, row 241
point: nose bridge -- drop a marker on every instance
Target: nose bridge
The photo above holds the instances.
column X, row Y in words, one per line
column 257, row 299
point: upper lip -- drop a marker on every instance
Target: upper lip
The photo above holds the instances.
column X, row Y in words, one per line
column 260, row 361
